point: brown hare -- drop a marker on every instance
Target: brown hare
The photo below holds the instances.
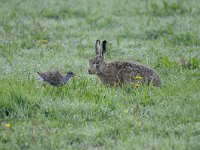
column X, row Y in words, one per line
column 119, row 73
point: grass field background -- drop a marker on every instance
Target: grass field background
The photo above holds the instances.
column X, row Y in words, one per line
column 47, row 35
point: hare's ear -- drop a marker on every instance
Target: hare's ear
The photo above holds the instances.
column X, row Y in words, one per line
column 103, row 46
column 98, row 48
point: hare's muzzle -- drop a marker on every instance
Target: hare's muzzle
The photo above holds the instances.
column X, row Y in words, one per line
column 91, row 71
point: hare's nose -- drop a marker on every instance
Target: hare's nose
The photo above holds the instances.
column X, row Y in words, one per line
column 89, row 71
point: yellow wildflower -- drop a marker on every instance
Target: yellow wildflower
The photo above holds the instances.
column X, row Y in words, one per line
column 138, row 77
column 7, row 125
column 44, row 41
column 137, row 85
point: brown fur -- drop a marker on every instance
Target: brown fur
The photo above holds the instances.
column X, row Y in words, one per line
column 118, row 73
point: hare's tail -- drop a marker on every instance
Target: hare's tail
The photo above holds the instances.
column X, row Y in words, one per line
column 156, row 80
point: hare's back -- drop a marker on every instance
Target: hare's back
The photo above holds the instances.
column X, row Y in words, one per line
column 133, row 67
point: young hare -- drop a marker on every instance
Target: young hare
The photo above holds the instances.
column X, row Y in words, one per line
column 118, row 73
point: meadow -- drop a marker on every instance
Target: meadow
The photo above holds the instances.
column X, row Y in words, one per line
column 85, row 114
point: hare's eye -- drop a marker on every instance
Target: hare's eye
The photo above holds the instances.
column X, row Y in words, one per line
column 97, row 62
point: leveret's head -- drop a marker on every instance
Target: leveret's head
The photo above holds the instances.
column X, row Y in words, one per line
column 97, row 64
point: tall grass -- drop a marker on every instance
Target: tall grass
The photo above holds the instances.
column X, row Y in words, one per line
column 85, row 114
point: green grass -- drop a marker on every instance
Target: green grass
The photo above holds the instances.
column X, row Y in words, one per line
column 85, row 114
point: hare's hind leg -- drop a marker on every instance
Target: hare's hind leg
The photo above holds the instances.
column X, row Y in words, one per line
column 125, row 76
column 154, row 80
